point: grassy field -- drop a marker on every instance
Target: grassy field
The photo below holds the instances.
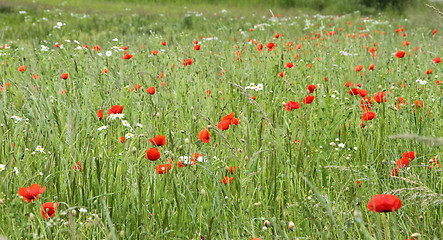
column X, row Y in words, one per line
column 276, row 169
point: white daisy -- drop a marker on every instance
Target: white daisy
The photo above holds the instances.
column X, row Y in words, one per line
column 82, row 210
column 126, row 123
column 129, row 135
column 40, row 149
column 138, row 125
column 2, row 167
column 102, row 127
column 108, row 53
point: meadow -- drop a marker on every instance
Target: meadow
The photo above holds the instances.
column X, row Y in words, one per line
column 222, row 123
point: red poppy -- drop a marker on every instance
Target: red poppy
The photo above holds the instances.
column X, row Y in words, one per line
column 433, row 163
column 224, row 124
column 371, row 67
column 158, row 140
column 260, row 47
column 281, row 74
column 22, row 68
column 384, row 203
column 78, row 166
column 400, row 102
column 402, row 162
column 128, row 56
column 359, row 183
column 394, row 172
column 187, row 62
column 434, row 32
column 378, row 97
column 289, row 65
column 235, row 121
column 163, row 168
column 164, row 43
column 429, row 71
column 436, row 60
column 358, row 68
column 151, row 90
column 406, row 43
column 105, row 71
column 49, row 209
column 289, row 106
column 362, row 93
column 233, row 169
column 308, row 99
column 96, row 48
column 31, row 193
column 418, row 104
column 154, row 52
column 116, row 109
column 298, row 46
column 311, row 88
column 152, row 154
column 410, row 155
column 277, row 35
column 34, row 76
column 349, row 84
column 64, row 76
column 400, row 54
column 226, row 179
column 353, row 91
column 124, row 48
column 100, row 114
column 122, row 139
column 197, row 47
column 367, row 116
column 366, row 104
column 270, row 46
column 204, row 135
column 228, row 117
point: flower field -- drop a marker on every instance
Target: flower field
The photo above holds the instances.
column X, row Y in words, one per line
column 214, row 125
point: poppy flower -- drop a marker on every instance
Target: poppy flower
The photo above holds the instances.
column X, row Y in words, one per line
column 394, row 172
column 78, row 166
column 378, row 97
column 433, row 163
column 311, row 88
column 151, row 90
column 204, row 135
column 270, row 46
column 402, row 162
column 384, row 203
column 197, row 47
column 362, row 93
column 163, row 168
column 366, row 104
column 289, row 106
column 233, row 169
column 187, row 62
column 226, row 179
column 281, row 74
column 154, row 52
column 128, row 56
column 105, row 71
column 367, row 116
column 64, row 76
column 235, row 121
column 308, row 99
column 410, row 155
column 371, row 67
column 400, row 102
column 100, row 114
column 436, row 60
column 406, row 43
column 358, row 68
column 353, row 91
column 96, row 48
column 359, row 183
column 122, row 139
column 164, row 43
column 124, row 48
column 349, row 84
column 116, row 109
column 49, row 209
column 35, row 76
column 22, row 68
column 400, row 54
column 418, row 104
column 429, row 71
column 152, row 154
column 434, row 32
column 31, row 193
column 298, row 46
column 158, row 140
column 260, row 47
column 224, row 124
column 289, row 65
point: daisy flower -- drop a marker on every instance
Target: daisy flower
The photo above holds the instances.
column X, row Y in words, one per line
column 102, row 127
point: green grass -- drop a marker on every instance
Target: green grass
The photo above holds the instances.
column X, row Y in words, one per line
column 312, row 183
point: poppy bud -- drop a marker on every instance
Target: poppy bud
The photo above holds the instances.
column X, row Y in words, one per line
column 415, row 235
column 203, row 192
column 267, row 223
column 1, row 201
column 264, row 228
column 73, row 212
column 186, row 140
column 100, row 156
column 122, row 233
column 134, row 150
column 31, row 216
column 246, row 158
column 291, row 225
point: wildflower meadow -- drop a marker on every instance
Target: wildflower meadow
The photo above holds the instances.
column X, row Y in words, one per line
column 219, row 123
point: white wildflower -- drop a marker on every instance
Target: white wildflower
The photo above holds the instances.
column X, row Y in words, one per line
column 102, row 127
